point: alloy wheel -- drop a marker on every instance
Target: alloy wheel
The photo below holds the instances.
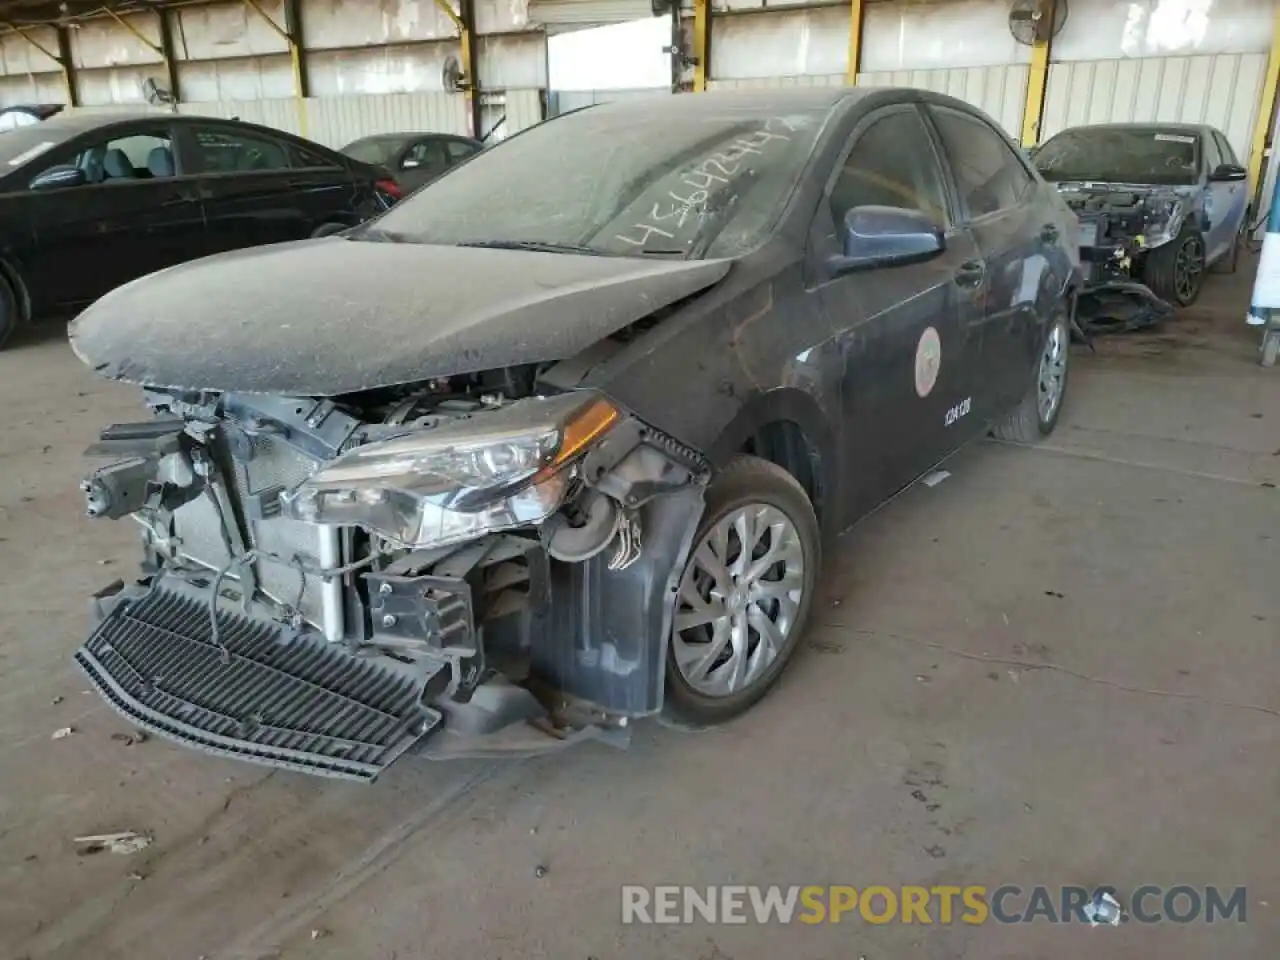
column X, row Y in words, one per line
column 739, row 600
column 1188, row 269
column 1053, row 372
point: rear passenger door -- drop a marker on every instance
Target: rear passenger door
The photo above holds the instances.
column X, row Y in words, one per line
column 247, row 186
column 323, row 187
column 1000, row 203
column 909, row 333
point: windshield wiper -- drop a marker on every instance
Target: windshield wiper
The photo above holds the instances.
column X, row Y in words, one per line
column 539, row 246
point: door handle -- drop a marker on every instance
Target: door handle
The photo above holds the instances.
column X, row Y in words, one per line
column 971, row 273
column 1049, row 234
column 181, row 198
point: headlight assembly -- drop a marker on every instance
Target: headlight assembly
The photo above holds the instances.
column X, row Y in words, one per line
column 1163, row 224
column 493, row 471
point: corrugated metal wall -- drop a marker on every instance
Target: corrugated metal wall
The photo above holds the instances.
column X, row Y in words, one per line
column 762, row 83
column 1222, row 90
column 374, row 69
column 370, row 69
column 1146, row 59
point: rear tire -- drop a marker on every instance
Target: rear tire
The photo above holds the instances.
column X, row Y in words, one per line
column 1037, row 413
column 10, row 314
column 328, row 230
column 1175, row 272
column 742, row 626
column 1270, row 348
column 1231, row 260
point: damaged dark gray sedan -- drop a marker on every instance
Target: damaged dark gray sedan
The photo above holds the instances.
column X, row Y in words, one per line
column 555, row 443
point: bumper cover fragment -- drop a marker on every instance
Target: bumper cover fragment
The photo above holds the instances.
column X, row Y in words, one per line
column 280, row 701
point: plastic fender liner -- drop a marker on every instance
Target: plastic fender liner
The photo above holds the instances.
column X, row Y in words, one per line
column 605, row 640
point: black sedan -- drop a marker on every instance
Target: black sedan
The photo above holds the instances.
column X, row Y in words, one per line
column 554, row 443
column 413, row 159
column 90, row 202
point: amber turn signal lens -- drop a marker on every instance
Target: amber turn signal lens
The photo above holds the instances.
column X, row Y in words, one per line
column 582, row 429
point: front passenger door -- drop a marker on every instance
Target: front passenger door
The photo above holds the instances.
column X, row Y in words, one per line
column 909, row 334
column 137, row 213
column 1225, row 200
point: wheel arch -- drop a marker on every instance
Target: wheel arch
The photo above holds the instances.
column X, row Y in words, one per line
column 787, row 427
column 10, row 274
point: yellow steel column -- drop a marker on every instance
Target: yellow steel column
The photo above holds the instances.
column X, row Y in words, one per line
column 701, row 44
column 1266, row 108
column 467, row 43
column 163, row 48
column 166, row 51
column 1037, row 80
column 62, row 58
column 295, row 57
column 855, row 42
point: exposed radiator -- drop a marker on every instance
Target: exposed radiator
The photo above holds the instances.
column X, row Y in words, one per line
column 273, row 464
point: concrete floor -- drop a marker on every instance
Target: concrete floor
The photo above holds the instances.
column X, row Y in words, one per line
column 1040, row 671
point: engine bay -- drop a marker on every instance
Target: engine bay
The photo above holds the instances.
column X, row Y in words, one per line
column 481, row 616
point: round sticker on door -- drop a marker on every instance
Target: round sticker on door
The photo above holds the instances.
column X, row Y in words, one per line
column 928, row 361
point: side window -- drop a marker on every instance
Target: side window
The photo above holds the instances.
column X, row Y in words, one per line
column 459, row 150
column 989, row 175
column 427, row 156
column 1212, row 154
column 138, row 156
column 892, row 164
column 1225, row 148
column 226, row 150
column 305, row 158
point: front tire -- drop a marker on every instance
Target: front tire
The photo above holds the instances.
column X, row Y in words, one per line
column 745, row 594
column 1037, row 413
column 1175, row 272
column 327, row 230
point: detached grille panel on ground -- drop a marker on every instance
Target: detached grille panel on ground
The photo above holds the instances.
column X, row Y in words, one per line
column 285, row 702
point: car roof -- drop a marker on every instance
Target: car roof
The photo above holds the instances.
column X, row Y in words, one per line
column 59, row 129
column 714, row 101
column 410, row 135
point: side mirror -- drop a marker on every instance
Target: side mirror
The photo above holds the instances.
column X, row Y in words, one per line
column 408, row 163
column 886, row 237
column 1228, row 171
column 63, row 175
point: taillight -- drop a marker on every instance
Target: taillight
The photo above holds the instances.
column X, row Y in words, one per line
column 390, row 188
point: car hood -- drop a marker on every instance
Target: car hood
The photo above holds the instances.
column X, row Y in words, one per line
column 332, row 316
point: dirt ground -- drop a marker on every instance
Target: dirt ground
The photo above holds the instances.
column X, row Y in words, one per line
column 1056, row 667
